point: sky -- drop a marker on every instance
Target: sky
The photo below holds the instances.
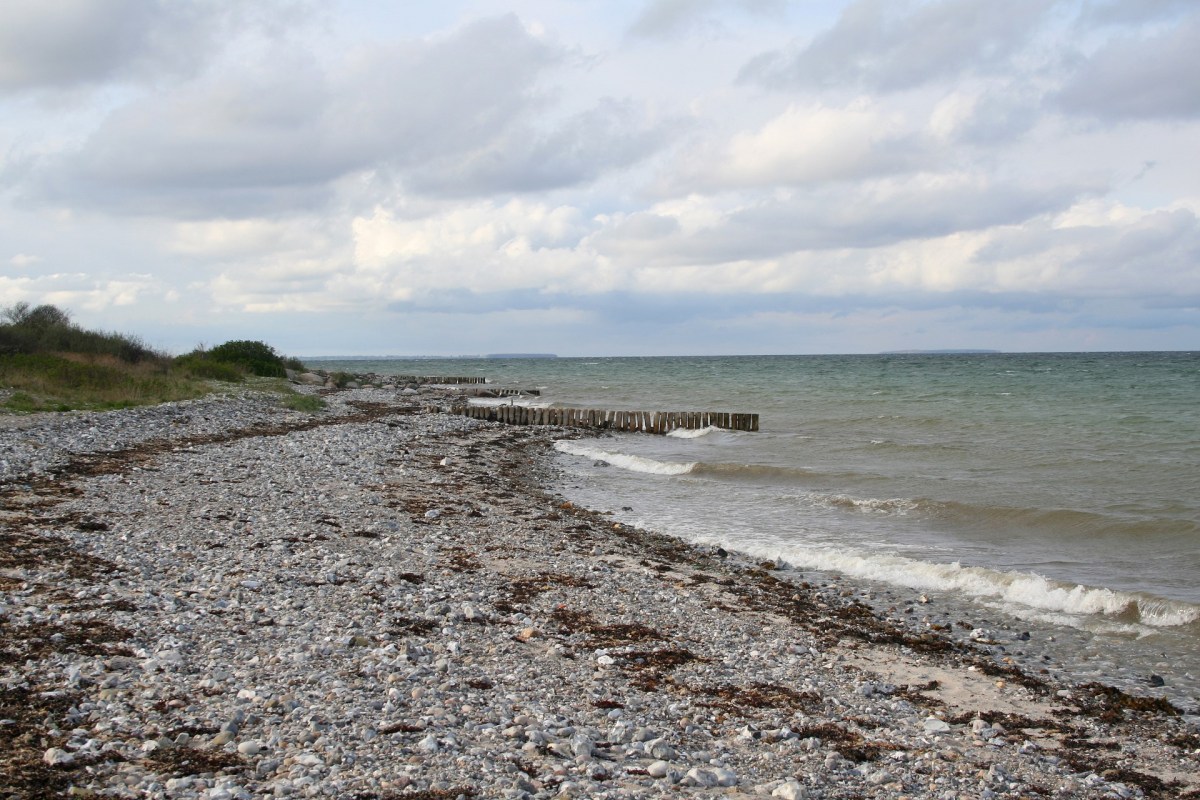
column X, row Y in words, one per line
column 606, row 177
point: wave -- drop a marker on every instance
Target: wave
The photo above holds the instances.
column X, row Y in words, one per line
column 692, row 433
column 624, row 460
column 1061, row 523
column 1015, row 590
column 509, row 401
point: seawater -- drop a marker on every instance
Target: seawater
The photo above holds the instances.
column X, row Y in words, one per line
column 1058, row 490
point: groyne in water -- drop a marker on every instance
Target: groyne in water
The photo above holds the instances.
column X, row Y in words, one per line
column 445, row 380
column 606, row 419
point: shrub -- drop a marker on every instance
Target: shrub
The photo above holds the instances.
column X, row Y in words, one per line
column 199, row 365
column 256, row 358
column 48, row 329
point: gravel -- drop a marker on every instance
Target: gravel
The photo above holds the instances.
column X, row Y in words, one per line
column 226, row 599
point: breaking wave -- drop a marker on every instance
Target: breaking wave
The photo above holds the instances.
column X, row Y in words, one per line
column 624, row 460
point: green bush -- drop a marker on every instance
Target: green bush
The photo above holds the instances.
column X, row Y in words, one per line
column 256, row 358
column 199, row 365
column 48, row 329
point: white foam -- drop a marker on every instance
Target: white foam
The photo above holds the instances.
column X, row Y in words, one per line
column 508, row 401
column 624, row 460
column 693, row 433
column 895, row 505
column 1014, row 590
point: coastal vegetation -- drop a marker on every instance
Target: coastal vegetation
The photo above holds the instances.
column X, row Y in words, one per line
column 49, row 363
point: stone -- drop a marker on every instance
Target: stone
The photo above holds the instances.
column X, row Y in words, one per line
column 790, row 790
column 659, row 749
column 56, row 757
column 725, row 777
column 700, row 777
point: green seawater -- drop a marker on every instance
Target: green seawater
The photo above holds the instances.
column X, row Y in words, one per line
column 1057, row 489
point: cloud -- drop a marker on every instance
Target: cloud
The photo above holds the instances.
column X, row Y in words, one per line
column 868, row 215
column 606, row 138
column 802, row 145
column 72, row 43
column 1120, row 252
column 1124, row 12
column 662, row 19
column 77, row 290
column 893, row 45
column 23, row 260
column 1146, row 77
column 990, row 114
column 244, row 142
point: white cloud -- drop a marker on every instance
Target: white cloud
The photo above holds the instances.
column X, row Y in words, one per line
column 241, row 238
column 22, row 260
column 801, row 145
column 481, row 247
column 77, row 290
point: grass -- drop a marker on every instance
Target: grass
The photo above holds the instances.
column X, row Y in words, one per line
column 63, row 382
column 48, row 363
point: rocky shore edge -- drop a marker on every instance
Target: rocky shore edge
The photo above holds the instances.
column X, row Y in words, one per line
column 224, row 598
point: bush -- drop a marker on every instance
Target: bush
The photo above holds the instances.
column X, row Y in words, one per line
column 199, row 365
column 48, row 329
column 256, row 358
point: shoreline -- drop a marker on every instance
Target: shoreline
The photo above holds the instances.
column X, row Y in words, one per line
column 377, row 601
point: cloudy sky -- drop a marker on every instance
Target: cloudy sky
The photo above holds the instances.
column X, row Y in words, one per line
column 606, row 177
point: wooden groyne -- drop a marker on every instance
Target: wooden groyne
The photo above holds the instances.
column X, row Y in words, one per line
column 602, row 419
column 502, row 392
column 423, row 379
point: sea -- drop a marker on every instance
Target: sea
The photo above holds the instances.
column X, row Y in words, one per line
column 1056, row 495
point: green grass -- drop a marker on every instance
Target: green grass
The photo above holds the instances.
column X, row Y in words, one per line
column 48, row 363
column 303, row 402
column 53, row 382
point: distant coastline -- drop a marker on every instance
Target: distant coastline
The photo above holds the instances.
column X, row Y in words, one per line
column 430, row 358
column 960, row 352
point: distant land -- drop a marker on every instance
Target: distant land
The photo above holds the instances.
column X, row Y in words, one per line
column 426, row 358
column 520, row 355
column 936, row 352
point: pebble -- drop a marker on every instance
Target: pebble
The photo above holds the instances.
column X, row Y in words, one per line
column 291, row 605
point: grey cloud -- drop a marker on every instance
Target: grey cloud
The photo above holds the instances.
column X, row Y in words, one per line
column 891, row 46
column 70, row 43
column 836, row 218
column 1002, row 114
column 1123, row 12
column 666, row 18
column 256, row 141
column 1150, row 77
column 1158, row 250
column 610, row 136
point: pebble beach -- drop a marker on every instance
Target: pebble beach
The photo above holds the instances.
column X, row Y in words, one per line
column 223, row 598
